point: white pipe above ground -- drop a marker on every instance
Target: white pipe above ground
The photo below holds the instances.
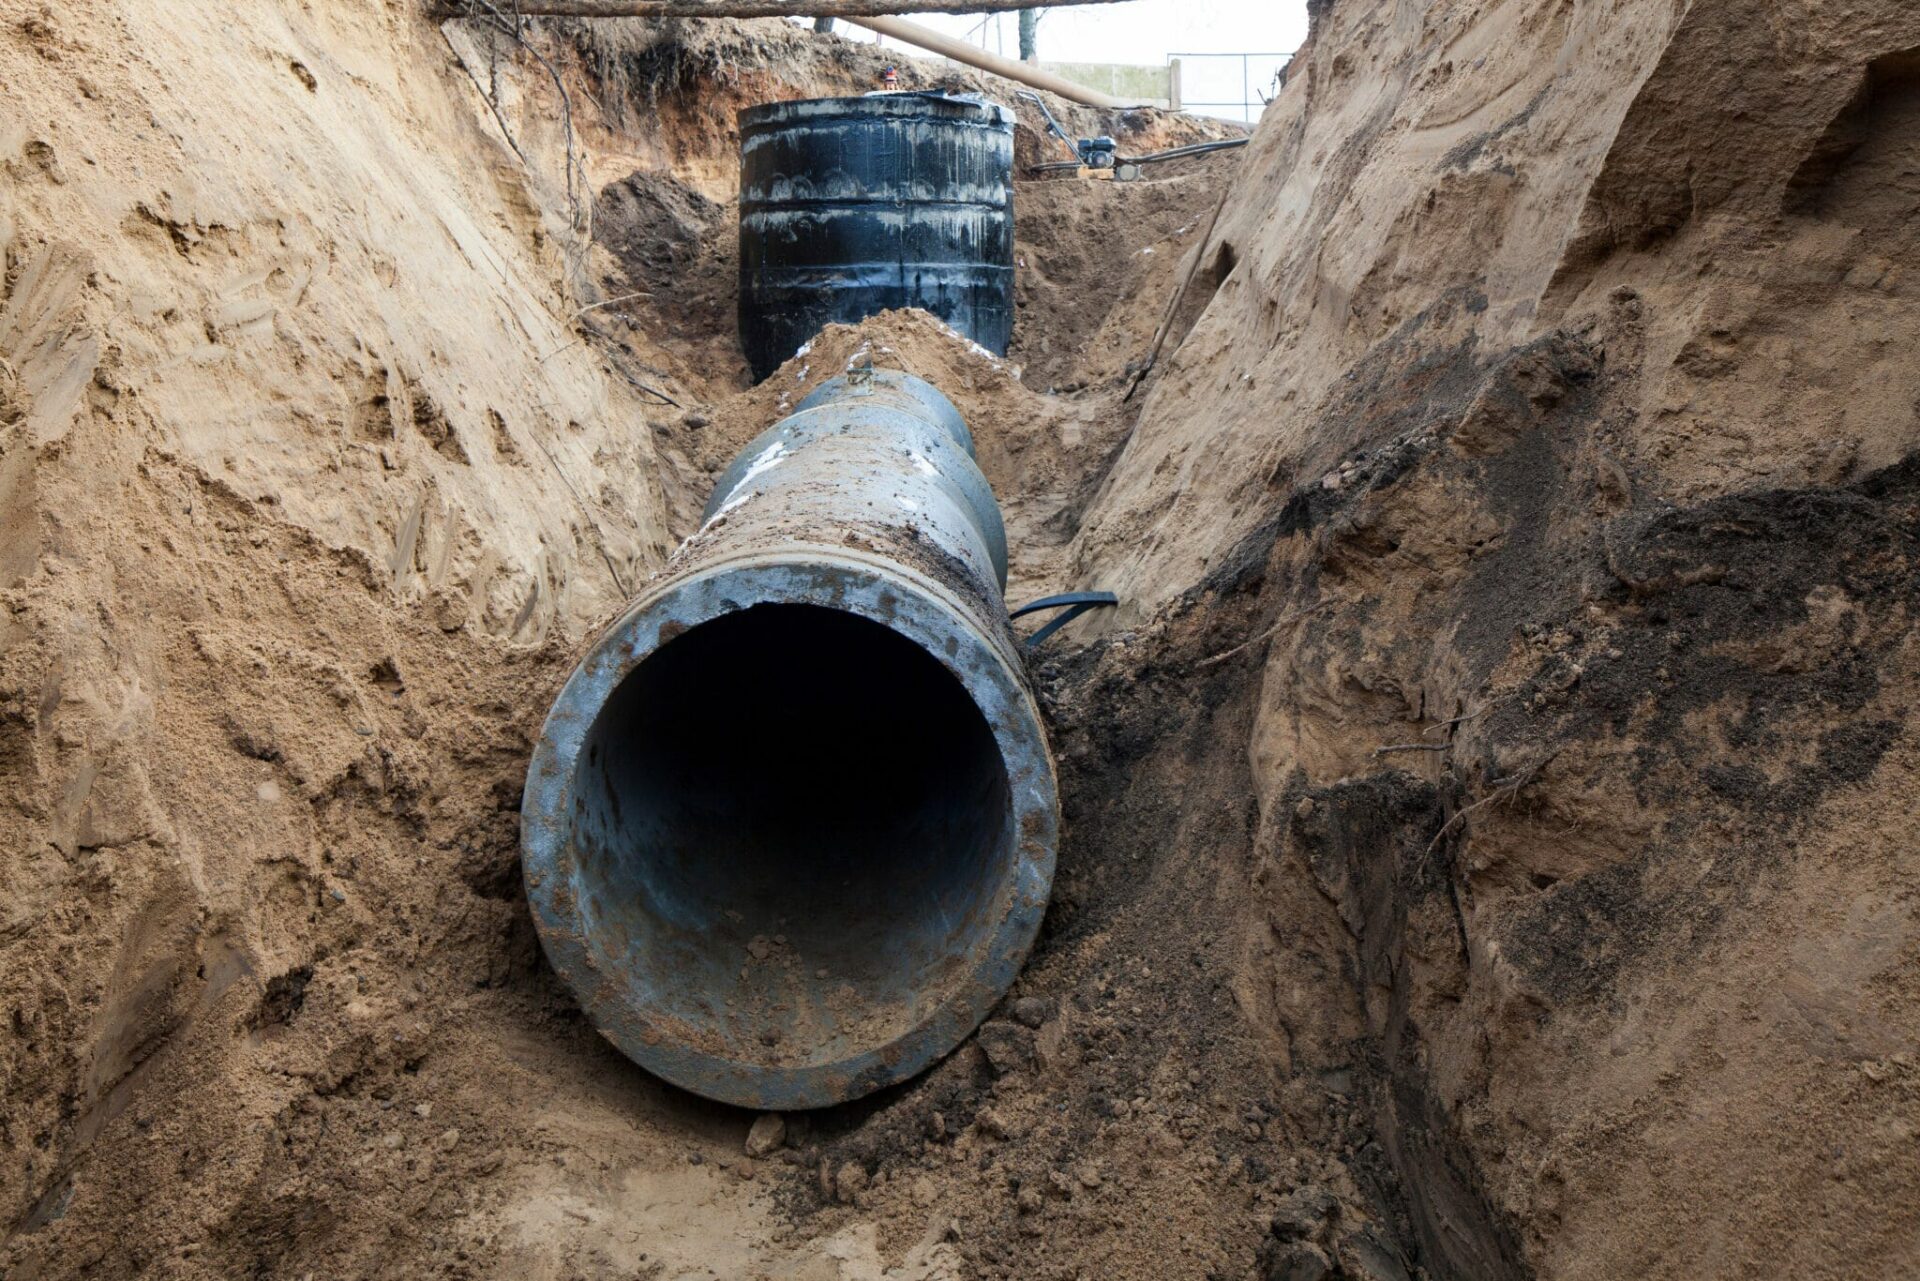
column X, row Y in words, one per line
column 730, row 8
column 960, row 51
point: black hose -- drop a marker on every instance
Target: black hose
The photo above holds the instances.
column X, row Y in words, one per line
column 1196, row 149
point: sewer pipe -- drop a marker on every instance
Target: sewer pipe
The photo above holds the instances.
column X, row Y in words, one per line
column 789, row 829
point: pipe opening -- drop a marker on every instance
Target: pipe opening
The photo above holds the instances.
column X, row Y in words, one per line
column 794, row 827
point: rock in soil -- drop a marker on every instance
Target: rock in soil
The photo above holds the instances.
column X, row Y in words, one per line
column 768, row 1132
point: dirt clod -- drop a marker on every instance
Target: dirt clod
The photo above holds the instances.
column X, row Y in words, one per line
column 1032, row 1011
column 1298, row 1261
column 766, row 1135
column 1008, row 1046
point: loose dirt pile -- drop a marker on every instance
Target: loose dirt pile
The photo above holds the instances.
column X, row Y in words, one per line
column 1487, row 854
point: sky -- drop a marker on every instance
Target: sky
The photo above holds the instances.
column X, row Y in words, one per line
column 1145, row 31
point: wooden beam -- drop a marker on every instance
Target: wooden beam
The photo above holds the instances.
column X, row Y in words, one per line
column 744, row 8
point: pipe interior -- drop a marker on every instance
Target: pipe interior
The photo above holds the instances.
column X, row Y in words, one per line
column 793, row 825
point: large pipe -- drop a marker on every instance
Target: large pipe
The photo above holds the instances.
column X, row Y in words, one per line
column 960, row 51
column 789, row 829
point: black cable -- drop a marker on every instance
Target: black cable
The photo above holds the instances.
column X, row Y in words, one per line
column 1195, row 149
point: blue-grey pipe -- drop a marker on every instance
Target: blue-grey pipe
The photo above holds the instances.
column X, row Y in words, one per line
column 789, row 829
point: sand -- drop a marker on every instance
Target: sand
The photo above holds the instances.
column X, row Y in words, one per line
column 1489, row 840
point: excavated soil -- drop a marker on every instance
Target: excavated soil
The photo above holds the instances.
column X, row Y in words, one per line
column 1489, row 825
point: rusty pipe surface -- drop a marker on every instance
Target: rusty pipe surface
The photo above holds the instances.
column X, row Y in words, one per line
column 789, row 829
column 960, row 51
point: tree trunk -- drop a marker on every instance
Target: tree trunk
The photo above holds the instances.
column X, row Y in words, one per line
column 1029, row 29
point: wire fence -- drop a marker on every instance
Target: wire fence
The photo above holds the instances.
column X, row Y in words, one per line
column 1233, row 86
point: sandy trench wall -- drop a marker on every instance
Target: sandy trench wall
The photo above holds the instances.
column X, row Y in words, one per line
column 294, row 428
column 1556, row 396
column 1424, row 167
column 317, row 296
column 1484, row 173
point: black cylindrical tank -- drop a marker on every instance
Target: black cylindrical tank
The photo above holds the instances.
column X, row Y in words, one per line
column 854, row 206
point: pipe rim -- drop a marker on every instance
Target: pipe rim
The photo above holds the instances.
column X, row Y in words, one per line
column 913, row 606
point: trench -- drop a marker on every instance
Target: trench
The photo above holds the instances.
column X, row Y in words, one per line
column 1141, row 1019
column 1141, row 1015
column 1497, row 862
column 791, row 785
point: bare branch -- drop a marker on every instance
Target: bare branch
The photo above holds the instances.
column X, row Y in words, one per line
column 1482, row 710
column 1504, row 789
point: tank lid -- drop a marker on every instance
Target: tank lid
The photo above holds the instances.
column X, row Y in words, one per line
column 968, row 108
